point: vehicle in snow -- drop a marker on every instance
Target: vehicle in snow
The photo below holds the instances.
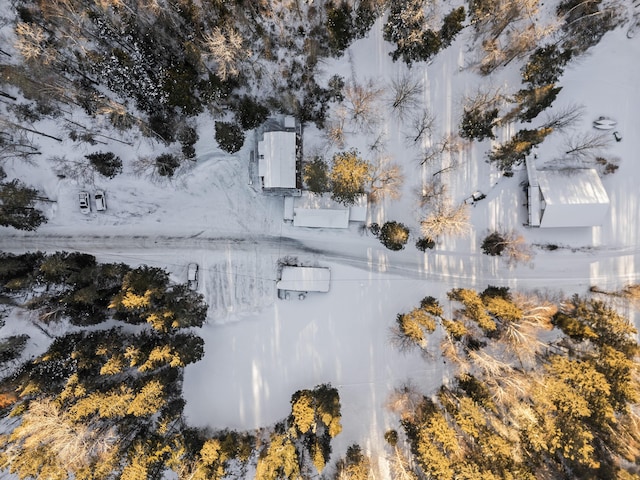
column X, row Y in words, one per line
column 83, row 200
column 302, row 280
column 101, row 201
column 192, row 276
column 604, row 123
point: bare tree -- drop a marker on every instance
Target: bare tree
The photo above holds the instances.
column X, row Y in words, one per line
column 17, row 144
column 32, row 43
column 81, row 171
column 334, row 129
column 564, row 118
column 406, row 91
column 421, row 127
column 46, row 428
column 404, row 401
column 446, row 219
column 451, row 145
column 483, row 99
column 586, row 143
column 401, row 466
column 432, row 193
column 360, row 101
column 386, row 180
column 227, row 48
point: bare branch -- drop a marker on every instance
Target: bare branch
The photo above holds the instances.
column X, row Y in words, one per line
column 587, row 143
column 406, row 92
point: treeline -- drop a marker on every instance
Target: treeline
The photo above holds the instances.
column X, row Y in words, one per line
column 541, row 390
column 105, row 400
column 155, row 65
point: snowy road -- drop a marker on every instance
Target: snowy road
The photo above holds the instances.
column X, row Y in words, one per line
column 605, row 267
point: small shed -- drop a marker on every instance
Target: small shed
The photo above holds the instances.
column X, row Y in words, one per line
column 304, row 279
column 570, row 197
column 277, row 160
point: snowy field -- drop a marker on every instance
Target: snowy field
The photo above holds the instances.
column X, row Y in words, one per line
column 259, row 350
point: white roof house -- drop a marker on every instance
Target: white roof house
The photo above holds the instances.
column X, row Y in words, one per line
column 277, row 160
column 571, row 197
column 320, row 211
column 304, row 279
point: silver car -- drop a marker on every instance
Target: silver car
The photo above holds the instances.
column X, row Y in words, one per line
column 101, row 201
column 83, row 199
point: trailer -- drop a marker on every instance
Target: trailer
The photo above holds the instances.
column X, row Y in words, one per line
column 302, row 280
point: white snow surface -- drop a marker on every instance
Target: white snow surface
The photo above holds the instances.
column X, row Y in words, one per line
column 259, row 350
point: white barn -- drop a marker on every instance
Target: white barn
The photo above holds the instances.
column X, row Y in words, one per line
column 277, row 160
column 304, row 279
column 571, row 197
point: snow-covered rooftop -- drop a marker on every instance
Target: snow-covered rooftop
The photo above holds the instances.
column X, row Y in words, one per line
column 277, row 159
column 572, row 197
column 297, row 209
column 321, row 217
column 305, row 279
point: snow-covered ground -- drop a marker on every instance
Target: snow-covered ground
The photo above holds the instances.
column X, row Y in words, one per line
column 259, row 350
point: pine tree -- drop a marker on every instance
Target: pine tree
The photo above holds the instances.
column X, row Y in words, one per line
column 229, row 136
column 17, row 206
column 315, row 175
column 545, row 65
column 452, row 25
column 302, row 411
column 394, row 235
column 514, row 152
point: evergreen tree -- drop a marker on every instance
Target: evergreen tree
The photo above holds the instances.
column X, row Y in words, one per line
column 355, row 465
column 315, row 175
column 106, row 163
column 166, row 164
column 394, row 235
column 251, row 114
column 514, row 152
column 17, row 206
column 477, row 124
column 424, row 243
column 545, row 65
column 340, row 27
column 535, row 100
column 229, row 136
column 452, row 25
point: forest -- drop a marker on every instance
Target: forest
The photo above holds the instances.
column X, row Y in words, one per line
column 149, row 68
column 105, row 400
column 543, row 388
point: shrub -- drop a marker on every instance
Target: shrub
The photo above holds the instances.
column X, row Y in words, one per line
column 166, row 164
column 188, row 136
column 494, row 244
column 229, row 136
column 106, row 163
column 391, row 436
column 424, row 243
column 394, row 235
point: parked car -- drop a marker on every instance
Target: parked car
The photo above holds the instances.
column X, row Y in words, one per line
column 192, row 276
column 83, row 199
column 101, row 201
